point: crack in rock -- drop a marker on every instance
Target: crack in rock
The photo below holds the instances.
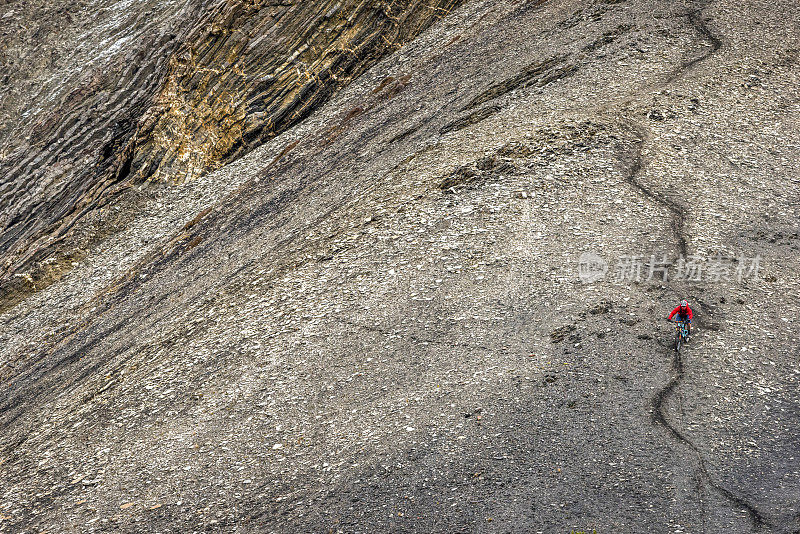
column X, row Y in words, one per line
column 660, row 418
column 678, row 224
column 677, row 211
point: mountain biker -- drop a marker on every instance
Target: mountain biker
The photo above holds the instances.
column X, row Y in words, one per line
column 684, row 314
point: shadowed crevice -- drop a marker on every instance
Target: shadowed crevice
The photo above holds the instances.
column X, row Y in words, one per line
column 473, row 118
column 660, row 419
column 678, row 216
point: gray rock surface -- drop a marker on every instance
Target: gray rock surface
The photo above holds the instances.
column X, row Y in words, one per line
column 99, row 96
column 374, row 322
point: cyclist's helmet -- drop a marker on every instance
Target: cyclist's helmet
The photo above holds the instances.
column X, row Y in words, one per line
column 684, row 304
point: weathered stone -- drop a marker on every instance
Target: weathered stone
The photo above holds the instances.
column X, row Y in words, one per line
column 325, row 293
column 177, row 92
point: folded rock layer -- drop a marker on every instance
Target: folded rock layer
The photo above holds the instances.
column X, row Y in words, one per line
column 162, row 92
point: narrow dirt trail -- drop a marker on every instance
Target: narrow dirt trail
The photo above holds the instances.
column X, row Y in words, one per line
column 678, row 223
column 678, row 215
column 660, row 418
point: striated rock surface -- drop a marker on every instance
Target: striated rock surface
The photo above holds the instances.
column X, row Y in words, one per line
column 78, row 78
column 374, row 322
column 101, row 96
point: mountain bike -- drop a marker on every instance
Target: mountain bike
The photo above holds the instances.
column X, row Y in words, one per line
column 681, row 333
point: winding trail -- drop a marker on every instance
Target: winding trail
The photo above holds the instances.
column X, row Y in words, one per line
column 678, row 216
column 677, row 211
column 678, row 224
column 699, row 24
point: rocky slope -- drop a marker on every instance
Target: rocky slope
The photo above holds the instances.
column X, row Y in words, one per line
column 158, row 91
column 375, row 321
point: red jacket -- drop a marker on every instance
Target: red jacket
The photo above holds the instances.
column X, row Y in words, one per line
column 677, row 310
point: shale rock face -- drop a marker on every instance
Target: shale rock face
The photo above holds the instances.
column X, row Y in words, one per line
column 101, row 96
column 249, row 71
column 378, row 320
column 78, row 79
